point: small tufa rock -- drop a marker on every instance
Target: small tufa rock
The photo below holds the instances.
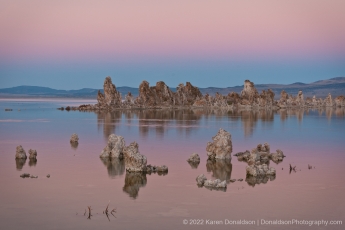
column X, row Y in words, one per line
column 215, row 183
column 240, row 179
column 200, row 180
column 48, row 176
column 25, row 175
column 221, row 147
column 134, row 161
column 20, row 152
column 115, row 147
column 74, row 138
column 32, row 154
column 232, row 180
column 195, row 158
column 32, row 176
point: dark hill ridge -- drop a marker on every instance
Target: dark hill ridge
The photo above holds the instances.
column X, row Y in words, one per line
column 335, row 86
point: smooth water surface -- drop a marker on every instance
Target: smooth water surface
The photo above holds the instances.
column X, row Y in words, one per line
column 79, row 178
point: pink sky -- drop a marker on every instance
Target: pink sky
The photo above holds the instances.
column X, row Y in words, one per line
column 171, row 29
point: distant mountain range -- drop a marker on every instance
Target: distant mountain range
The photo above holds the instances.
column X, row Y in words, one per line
column 335, row 86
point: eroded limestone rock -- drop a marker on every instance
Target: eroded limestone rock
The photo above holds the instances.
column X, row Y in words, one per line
column 200, row 180
column 195, row 158
column 134, row 161
column 20, row 152
column 328, row 101
column 339, row 101
column 115, row 147
column 74, row 138
column 249, row 94
column 278, row 156
column 111, row 96
column 221, row 147
column 187, row 94
column 32, row 154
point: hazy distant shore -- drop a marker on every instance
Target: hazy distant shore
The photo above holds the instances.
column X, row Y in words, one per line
column 334, row 86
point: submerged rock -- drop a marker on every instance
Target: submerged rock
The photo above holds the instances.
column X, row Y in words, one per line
column 201, row 180
column 20, row 152
column 221, row 147
column 134, row 161
column 115, row 147
column 74, row 138
column 215, row 183
column 25, row 175
column 32, row 154
column 195, row 158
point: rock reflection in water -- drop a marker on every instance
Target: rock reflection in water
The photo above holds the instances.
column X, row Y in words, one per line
column 252, row 180
column 20, row 163
column 109, row 121
column 186, row 121
column 221, row 169
column 74, row 145
column 32, row 162
column 194, row 165
column 133, row 182
column 114, row 166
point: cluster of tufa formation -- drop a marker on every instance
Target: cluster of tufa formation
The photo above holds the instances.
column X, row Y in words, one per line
column 260, row 155
column 134, row 161
column 161, row 96
column 258, row 160
column 221, row 147
column 289, row 101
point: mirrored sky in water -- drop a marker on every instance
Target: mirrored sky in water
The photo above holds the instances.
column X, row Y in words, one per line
column 79, row 178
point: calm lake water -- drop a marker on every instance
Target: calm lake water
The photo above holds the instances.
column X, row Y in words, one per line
column 79, row 178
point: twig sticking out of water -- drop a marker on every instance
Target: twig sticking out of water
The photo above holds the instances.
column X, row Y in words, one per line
column 89, row 207
column 292, row 168
column 106, row 211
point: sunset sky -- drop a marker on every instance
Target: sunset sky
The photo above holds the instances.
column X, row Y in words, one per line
column 70, row 44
